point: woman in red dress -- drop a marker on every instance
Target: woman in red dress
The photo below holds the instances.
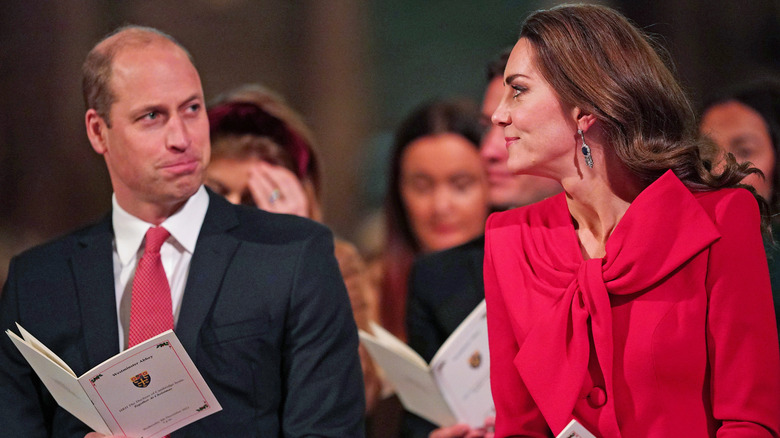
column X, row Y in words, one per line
column 637, row 301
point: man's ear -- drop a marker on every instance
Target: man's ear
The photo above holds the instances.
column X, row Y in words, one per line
column 583, row 119
column 96, row 131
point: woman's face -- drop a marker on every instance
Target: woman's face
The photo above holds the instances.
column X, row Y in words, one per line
column 741, row 130
column 229, row 177
column 540, row 132
column 444, row 190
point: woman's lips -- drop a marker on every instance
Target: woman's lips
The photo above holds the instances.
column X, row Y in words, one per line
column 445, row 228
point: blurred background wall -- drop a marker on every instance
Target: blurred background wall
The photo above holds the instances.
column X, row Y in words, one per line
column 354, row 68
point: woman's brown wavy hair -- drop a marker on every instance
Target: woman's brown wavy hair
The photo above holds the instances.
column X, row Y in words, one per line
column 596, row 59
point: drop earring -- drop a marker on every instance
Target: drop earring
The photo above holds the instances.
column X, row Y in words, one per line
column 586, row 150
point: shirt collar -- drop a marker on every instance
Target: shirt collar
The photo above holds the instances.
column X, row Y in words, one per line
column 184, row 226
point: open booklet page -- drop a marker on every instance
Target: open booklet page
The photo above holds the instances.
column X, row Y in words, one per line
column 461, row 368
column 455, row 388
column 60, row 380
column 147, row 391
column 575, row 430
column 410, row 375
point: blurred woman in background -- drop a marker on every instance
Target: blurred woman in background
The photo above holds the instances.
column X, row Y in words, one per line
column 745, row 121
column 437, row 195
column 262, row 153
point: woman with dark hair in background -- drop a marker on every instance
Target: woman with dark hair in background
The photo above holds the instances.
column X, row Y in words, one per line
column 745, row 121
column 638, row 301
column 437, row 195
column 263, row 155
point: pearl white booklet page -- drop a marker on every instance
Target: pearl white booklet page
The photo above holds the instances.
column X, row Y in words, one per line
column 147, row 391
column 455, row 387
column 575, row 430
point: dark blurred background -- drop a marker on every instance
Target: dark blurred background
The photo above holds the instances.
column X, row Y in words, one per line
column 353, row 68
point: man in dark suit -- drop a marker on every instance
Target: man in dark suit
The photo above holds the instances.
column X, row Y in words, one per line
column 444, row 287
column 257, row 298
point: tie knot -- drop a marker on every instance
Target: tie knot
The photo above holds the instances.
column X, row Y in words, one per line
column 155, row 237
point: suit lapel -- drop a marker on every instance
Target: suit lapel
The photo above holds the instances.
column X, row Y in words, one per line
column 92, row 265
column 213, row 252
column 477, row 255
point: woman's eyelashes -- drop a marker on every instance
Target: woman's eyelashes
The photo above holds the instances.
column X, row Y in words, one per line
column 517, row 90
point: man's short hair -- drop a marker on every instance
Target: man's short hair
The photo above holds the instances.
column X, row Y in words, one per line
column 96, row 71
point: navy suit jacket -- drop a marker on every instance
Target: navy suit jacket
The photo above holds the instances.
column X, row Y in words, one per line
column 265, row 317
column 444, row 287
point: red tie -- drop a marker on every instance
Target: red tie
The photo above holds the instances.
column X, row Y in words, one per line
column 151, row 311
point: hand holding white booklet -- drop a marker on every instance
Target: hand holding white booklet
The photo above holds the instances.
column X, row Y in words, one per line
column 455, row 387
column 147, row 391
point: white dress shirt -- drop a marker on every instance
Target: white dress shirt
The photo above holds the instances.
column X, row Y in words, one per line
column 176, row 253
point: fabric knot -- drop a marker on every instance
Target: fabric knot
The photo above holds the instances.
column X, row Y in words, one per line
column 561, row 346
column 155, row 237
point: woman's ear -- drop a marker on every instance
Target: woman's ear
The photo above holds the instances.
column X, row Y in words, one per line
column 583, row 119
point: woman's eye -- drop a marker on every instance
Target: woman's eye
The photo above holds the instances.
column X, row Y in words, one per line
column 463, row 184
column 421, row 186
column 418, row 184
column 742, row 153
column 517, row 90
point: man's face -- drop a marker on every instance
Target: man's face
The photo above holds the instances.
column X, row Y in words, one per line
column 157, row 147
column 506, row 189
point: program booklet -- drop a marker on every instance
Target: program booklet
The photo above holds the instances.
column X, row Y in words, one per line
column 147, row 391
column 575, row 430
column 454, row 387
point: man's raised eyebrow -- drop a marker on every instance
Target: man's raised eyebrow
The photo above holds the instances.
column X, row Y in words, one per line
column 153, row 108
column 196, row 96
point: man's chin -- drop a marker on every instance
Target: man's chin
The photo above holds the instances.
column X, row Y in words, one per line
column 184, row 188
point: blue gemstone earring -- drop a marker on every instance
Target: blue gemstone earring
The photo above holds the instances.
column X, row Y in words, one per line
column 586, row 150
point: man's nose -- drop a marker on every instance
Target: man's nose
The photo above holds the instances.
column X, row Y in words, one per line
column 178, row 136
column 493, row 144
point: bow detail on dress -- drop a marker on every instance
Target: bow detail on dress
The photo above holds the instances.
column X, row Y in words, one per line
column 648, row 245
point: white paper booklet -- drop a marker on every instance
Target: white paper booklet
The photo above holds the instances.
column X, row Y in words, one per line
column 575, row 430
column 455, row 387
column 147, row 391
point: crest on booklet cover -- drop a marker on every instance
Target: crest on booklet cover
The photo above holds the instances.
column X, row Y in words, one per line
column 141, row 380
column 475, row 360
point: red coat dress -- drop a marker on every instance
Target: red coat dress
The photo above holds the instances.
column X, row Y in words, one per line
column 671, row 334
